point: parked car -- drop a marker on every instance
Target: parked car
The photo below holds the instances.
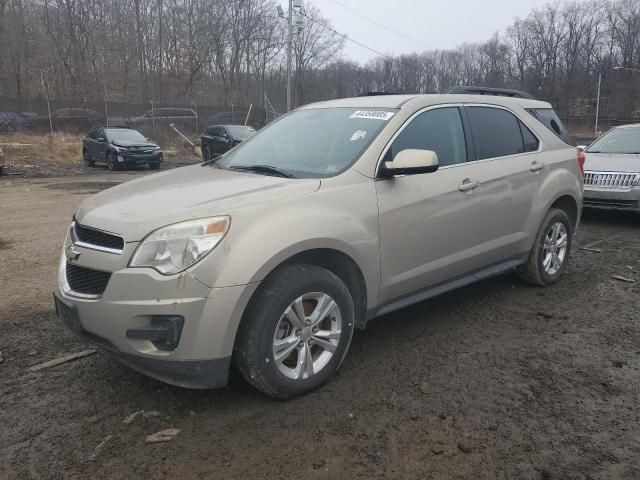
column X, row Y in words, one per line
column 335, row 214
column 120, row 147
column 218, row 139
column 164, row 114
column 65, row 119
column 15, row 121
column 612, row 170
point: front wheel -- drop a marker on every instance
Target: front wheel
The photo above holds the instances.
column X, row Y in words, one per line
column 550, row 252
column 112, row 161
column 296, row 331
column 206, row 154
column 87, row 159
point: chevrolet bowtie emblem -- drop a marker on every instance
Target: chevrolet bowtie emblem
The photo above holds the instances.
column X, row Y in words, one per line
column 72, row 252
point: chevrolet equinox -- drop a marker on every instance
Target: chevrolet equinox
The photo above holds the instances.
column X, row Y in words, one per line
column 269, row 256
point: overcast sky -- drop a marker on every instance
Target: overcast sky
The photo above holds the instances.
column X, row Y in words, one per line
column 434, row 23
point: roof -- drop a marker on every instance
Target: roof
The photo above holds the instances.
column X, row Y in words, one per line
column 424, row 100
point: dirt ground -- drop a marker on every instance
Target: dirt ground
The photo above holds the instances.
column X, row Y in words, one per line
column 498, row 380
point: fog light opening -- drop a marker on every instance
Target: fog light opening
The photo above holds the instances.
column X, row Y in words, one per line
column 163, row 332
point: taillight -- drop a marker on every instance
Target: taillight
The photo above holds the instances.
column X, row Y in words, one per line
column 581, row 158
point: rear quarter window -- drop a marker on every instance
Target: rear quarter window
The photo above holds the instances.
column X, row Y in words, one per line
column 549, row 118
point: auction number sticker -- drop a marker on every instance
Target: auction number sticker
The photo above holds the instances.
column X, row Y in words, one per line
column 373, row 114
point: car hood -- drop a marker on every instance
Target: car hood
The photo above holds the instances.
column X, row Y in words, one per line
column 134, row 209
column 612, row 162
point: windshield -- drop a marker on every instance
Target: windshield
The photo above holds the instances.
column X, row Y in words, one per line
column 125, row 136
column 619, row 140
column 313, row 143
column 241, row 132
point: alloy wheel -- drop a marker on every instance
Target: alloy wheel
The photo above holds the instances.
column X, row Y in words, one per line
column 307, row 335
column 554, row 250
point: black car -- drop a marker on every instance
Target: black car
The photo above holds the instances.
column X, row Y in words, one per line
column 217, row 139
column 120, row 147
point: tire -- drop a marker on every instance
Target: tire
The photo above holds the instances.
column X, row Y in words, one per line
column 271, row 318
column 87, row 159
column 206, row 154
column 112, row 161
column 542, row 268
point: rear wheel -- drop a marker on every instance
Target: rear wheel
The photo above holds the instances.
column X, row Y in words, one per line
column 87, row 158
column 296, row 331
column 550, row 253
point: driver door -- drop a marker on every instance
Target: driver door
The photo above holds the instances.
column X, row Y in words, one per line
column 430, row 223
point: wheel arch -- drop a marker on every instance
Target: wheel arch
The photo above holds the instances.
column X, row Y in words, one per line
column 569, row 204
column 337, row 262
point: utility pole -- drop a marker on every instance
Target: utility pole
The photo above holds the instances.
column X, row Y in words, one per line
column 598, row 100
column 289, row 53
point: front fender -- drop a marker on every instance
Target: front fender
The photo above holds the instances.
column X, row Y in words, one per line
column 262, row 237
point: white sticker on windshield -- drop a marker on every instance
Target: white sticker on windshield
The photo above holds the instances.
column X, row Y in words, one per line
column 358, row 135
column 373, row 114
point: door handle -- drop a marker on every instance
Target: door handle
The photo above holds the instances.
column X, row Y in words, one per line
column 468, row 185
column 536, row 167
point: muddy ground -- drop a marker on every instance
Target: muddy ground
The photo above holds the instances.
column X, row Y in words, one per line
column 497, row 380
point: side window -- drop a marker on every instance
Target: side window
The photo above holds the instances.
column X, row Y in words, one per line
column 531, row 142
column 496, row 132
column 439, row 130
column 210, row 131
column 93, row 134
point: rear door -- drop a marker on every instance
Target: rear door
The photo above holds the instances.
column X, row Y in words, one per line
column 510, row 173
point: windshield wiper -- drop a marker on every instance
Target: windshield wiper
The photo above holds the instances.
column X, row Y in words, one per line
column 265, row 169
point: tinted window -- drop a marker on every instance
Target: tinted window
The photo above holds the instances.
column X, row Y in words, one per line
column 241, row 132
column 439, row 130
column 531, row 142
column 548, row 117
column 496, row 132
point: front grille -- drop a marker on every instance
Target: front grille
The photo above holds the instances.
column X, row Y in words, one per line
column 85, row 280
column 98, row 238
column 610, row 179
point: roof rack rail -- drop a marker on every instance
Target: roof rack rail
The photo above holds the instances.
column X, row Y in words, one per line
column 500, row 92
column 375, row 94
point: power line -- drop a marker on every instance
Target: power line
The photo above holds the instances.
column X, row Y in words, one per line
column 346, row 37
column 379, row 24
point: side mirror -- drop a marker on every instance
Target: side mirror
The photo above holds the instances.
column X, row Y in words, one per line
column 102, row 139
column 581, row 148
column 411, row 162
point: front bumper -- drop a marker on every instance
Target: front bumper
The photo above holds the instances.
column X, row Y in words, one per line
column 612, row 198
column 186, row 373
column 134, row 160
column 135, row 298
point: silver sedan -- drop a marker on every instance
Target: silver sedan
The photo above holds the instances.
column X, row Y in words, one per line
column 612, row 170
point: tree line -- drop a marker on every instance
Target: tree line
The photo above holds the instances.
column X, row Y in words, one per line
column 234, row 51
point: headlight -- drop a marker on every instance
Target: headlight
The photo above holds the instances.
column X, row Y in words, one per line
column 176, row 247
